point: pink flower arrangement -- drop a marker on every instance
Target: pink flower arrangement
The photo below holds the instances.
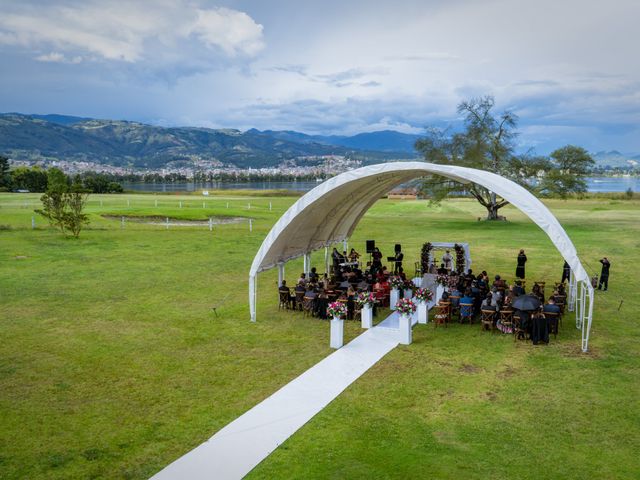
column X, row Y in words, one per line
column 405, row 306
column 442, row 279
column 366, row 298
column 337, row 309
column 396, row 282
column 423, row 295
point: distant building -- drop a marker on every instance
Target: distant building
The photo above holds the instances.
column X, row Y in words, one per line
column 403, row 193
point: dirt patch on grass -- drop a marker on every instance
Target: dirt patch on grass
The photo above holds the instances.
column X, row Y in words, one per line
column 507, row 372
column 491, row 396
column 176, row 222
column 466, row 368
column 573, row 350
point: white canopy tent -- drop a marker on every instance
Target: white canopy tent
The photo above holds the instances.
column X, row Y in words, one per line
column 329, row 214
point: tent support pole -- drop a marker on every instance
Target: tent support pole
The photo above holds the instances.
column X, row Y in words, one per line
column 280, row 274
column 252, row 296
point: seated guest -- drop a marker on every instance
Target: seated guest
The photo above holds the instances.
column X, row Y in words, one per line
column 442, row 270
column 302, row 279
column 300, row 287
column 496, row 297
column 455, row 297
column 325, row 281
column 499, row 283
column 518, row 290
column 363, row 286
column 551, row 306
column 470, row 276
column 466, row 311
column 537, row 292
column 487, row 303
column 313, row 275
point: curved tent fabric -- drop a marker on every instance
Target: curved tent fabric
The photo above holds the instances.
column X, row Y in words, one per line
column 329, row 213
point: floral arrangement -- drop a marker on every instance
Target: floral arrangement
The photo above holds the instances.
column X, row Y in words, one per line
column 460, row 259
column 425, row 256
column 337, row 309
column 396, row 282
column 366, row 299
column 405, row 306
column 442, row 279
column 408, row 285
column 423, row 295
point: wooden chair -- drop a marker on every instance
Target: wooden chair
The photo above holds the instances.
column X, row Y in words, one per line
column 441, row 315
column 307, row 306
column 417, row 270
column 299, row 301
column 542, row 285
column 466, row 311
column 285, row 300
column 455, row 305
column 486, row 320
column 448, row 305
column 518, row 331
column 506, row 318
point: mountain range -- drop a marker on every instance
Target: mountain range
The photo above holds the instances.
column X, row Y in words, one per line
column 134, row 144
column 124, row 143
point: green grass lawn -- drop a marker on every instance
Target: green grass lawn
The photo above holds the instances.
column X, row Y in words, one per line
column 112, row 363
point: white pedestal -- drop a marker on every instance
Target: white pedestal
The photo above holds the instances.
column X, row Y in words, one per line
column 423, row 312
column 393, row 298
column 405, row 329
column 408, row 293
column 439, row 292
column 367, row 316
column 337, row 333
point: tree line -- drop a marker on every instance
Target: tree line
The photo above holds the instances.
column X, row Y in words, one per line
column 36, row 179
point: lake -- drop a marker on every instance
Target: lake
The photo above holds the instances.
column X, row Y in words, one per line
column 594, row 184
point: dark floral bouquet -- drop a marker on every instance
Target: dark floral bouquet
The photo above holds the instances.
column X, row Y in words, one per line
column 460, row 259
column 423, row 295
column 337, row 309
column 366, row 299
column 396, row 282
column 405, row 306
column 442, row 279
column 425, row 256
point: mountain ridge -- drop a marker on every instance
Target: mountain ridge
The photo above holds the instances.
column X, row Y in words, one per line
column 129, row 143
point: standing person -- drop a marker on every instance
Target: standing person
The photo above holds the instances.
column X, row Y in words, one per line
column 447, row 259
column 604, row 274
column 566, row 272
column 398, row 262
column 522, row 259
column 377, row 260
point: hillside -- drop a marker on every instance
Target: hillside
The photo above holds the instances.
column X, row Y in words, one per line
column 124, row 143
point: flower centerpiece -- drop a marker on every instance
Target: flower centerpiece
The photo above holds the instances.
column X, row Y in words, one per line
column 337, row 309
column 442, row 279
column 405, row 306
column 396, row 282
column 423, row 295
column 366, row 299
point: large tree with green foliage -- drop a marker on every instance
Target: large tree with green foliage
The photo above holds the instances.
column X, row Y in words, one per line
column 487, row 143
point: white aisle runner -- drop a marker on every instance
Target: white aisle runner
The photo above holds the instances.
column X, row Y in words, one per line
column 240, row 446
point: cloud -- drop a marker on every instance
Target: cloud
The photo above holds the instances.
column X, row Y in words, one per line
column 57, row 57
column 130, row 32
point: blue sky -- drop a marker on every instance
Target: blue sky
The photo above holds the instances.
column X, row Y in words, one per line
column 568, row 68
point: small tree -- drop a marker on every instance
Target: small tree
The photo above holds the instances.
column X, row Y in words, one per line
column 75, row 199
column 63, row 205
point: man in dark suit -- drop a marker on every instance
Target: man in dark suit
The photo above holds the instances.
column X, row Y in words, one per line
column 518, row 290
column 399, row 258
column 604, row 274
column 551, row 306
